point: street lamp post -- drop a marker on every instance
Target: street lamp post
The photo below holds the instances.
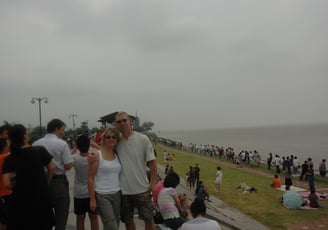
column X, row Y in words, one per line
column 39, row 99
column 73, row 116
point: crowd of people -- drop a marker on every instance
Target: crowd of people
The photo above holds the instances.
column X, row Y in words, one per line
column 244, row 156
column 40, row 199
column 111, row 182
column 120, row 177
column 288, row 166
column 250, row 157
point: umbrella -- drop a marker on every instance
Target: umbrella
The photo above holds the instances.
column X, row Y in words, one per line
column 292, row 200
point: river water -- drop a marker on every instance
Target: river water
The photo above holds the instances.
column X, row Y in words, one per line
column 303, row 141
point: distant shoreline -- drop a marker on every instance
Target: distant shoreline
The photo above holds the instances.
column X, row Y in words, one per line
column 158, row 132
column 303, row 141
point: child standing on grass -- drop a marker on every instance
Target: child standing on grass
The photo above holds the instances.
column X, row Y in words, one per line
column 218, row 179
column 81, row 192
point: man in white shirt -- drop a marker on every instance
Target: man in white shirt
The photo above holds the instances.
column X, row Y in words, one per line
column 62, row 157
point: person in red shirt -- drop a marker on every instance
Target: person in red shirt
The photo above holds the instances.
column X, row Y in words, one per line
column 276, row 183
column 99, row 135
column 5, row 193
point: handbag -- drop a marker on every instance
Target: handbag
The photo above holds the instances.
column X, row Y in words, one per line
column 157, row 216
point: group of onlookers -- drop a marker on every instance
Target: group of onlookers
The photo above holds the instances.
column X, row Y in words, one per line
column 292, row 199
column 285, row 163
column 28, row 206
column 115, row 178
column 112, row 182
column 307, row 171
column 292, row 165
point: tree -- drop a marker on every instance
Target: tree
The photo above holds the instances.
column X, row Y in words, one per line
column 84, row 129
column 35, row 133
column 147, row 126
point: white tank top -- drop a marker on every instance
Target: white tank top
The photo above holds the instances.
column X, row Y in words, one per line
column 108, row 174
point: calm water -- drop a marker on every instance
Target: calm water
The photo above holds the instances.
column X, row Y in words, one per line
column 300, row 140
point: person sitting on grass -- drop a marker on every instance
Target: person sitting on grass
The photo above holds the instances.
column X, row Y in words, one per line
column 291, row 199
column 313, row 199
column 276, row 183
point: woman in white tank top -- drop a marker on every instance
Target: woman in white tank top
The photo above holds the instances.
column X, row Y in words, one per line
column 103, row 181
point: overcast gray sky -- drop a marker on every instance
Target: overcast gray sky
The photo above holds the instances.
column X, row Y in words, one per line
column 185, row 64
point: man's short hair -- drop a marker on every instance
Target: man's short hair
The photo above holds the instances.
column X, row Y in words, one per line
column 55, row 124
column 122, row 113
column 198, row 207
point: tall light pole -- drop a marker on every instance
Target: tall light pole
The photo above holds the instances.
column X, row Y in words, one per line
column 39, row 99
column 73, row 116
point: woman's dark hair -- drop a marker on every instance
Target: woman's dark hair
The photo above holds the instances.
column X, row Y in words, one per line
column 3, row 144
column 172, row 180
column 83, row 143
column 198, row 207
column 55, row 124
column 4, row 127
column 16, row 136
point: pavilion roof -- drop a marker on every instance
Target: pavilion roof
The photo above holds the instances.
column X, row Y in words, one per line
column 110, row 118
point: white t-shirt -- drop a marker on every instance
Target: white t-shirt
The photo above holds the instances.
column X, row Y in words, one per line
column 59, row 149
column 80, row 165
column 134, row 152
column 201, row 223
column 218, row 178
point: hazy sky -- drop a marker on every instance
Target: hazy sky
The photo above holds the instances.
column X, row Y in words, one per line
column 185, row 64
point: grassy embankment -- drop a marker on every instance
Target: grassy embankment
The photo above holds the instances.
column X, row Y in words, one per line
column 264, row 206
